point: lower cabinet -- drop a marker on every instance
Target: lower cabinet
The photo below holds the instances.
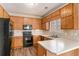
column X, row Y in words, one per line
column 36, row 38
column 41, row 51
column 17, row 42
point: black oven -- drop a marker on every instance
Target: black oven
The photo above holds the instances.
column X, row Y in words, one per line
column 27, row 36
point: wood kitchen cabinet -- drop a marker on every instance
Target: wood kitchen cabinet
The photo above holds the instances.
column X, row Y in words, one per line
column 47, row 25
column 44, row 20
column 1, row 11
column 69, row 17
column 36, row 23
column 36, row 38
column 48, row 18
column 66, row 10
column 67, row 22
column 43, row 52
column 40, row 50
column 17, row 42
column 55, row 15
column 6, row 15
column 18, row 22
column 51, row 16
column 44, row 26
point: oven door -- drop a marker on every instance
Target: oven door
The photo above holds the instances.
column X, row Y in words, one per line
column 28, row 41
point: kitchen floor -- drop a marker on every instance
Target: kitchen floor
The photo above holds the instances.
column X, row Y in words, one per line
column 27, row 51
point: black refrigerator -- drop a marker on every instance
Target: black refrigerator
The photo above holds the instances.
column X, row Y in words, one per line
column 5, row 41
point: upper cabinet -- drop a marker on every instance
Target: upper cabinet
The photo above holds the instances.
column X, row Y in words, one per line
column 67, row 23
column 1, row 12
column 43, row 26
column 5, row 14
column 47, row 25
column 18, row 22
column 55, row 15
column 48, row 17
column 35, row 22
column 66, row 10
column 69, row 16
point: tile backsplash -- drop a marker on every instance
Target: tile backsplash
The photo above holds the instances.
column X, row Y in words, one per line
column 34, row 32
column 69, row 34
column 72, row 34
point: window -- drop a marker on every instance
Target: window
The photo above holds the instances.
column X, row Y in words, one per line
column 55, row 25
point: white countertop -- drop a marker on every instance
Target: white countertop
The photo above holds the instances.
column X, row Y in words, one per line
column 59, row 45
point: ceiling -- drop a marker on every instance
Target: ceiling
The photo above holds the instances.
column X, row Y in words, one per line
column 30, row 9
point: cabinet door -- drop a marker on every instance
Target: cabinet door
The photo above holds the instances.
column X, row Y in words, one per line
column 17, row 42
column 36, row 24
column 67, row 23
column 1, row 11
column 44, row 26
column 48, row 18
column 6, row 14
column 67, row 10
column 41, row 51
column 18, row 22
column 36, row 38
column 55, row 15
column 47, row 25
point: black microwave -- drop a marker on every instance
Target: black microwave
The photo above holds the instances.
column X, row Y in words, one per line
column 27, row 27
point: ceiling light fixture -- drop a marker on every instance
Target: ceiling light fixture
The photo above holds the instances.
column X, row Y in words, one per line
column 31, row 4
